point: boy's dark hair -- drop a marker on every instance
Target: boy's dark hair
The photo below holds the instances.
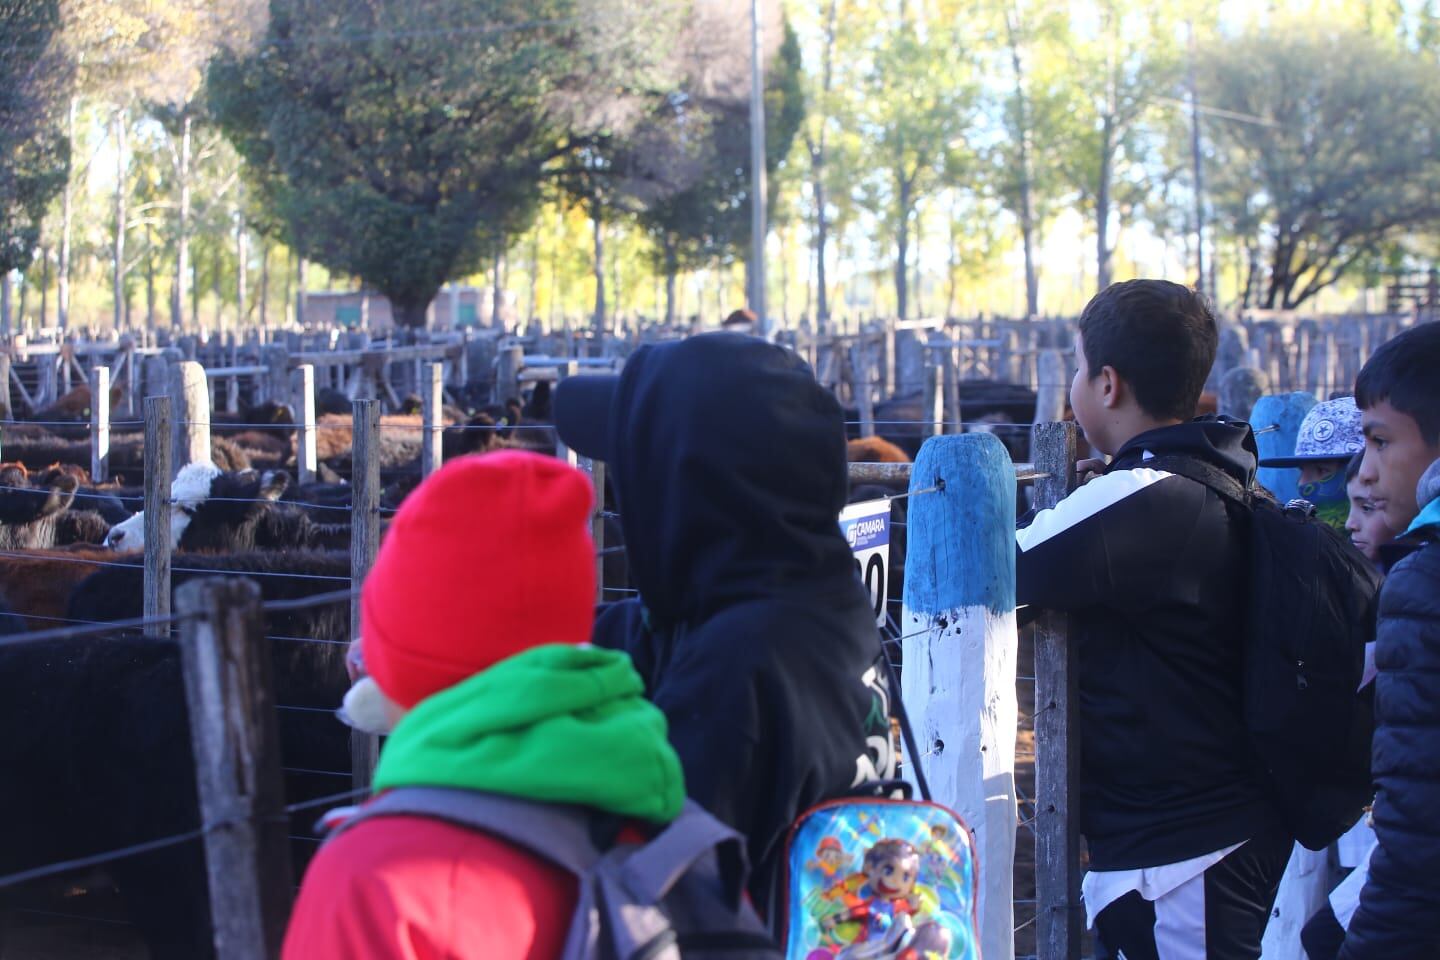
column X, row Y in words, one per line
column 1406, row 372
column 1352, row 469
column 1159, row 337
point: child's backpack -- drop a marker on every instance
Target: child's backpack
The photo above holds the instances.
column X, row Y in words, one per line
column 880, row 879
column 679, row 895
column 1310, row 612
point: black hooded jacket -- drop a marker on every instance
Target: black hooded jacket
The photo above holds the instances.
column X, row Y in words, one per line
column 1153, row 570
column 752, row 631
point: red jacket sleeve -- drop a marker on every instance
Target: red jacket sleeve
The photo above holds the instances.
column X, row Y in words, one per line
column 410, row 888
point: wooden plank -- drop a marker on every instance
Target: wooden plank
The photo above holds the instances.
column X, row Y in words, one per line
column 1058, row 910
column 100, row 424
column 861, row 384
column 432, row 418
column 235, row 739
column 364, row 545
column 157, row 513
column 302, row 401
column 960, row 649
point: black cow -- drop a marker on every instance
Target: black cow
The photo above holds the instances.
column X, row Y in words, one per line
column 99, row 758
column 39, row 518
column 219, row 511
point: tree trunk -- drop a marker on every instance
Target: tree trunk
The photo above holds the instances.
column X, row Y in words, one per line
column 672, row 270
column 149, row 280
column 215, row 285
column 497, row 294
column 300, row 290
column 242, row 275
column 1026, row 212
column 410, row 316
column 182, row 230
column 44, row 286
column 785, row 277
column 532, row 316
column 598, row 318
column 1197, row 163
column 1102, row 206
column 264, row 284
column 118, row 249
column 817, row 164
column 5, row 294
column 954, row 263
column 195, row 295
column 24, row 298
column 67, row 218
column 902, row 246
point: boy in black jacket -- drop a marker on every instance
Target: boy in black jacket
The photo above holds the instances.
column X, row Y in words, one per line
column 1186, row 851
column 1398, row 391
column 751, row 630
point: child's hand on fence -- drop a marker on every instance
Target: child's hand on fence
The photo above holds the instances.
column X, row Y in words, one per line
column 1088, row 469
column 354, row 661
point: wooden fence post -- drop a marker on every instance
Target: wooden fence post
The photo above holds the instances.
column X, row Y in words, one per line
column 888, row 363
column 1053, row 389
column 190, row 415
column 960, row 650
column 302, row 400
column 364, row 544
column 954, row 415
column 432, row 418
column 508, row 362
column 860, row 383
column 276, row 360
column 157, row 513
column 5, row 412
column 100, row 424
column 933, row 404
column 234, row 736
column 562, row 371
column 1276, row 420
column 1058, row 911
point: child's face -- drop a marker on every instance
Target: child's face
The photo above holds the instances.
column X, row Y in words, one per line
column 1396, row 455
column 1366, row 523
column 1320, row 471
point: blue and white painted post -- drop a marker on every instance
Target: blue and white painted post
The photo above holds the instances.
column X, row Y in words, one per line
column 960, row 651
column 1276, row 421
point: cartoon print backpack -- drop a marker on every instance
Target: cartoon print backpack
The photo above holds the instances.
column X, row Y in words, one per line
column 679, row 895
column 881, row 879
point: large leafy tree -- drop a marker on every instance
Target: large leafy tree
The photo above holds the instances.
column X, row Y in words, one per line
column 402, row 139
column 1327, row 149
column 915, row 104
column 697, row 208
column 34, row 151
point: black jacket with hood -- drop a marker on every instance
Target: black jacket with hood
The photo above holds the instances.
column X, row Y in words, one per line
column 1399, row 914
column 752, row 631
column 1153, row 570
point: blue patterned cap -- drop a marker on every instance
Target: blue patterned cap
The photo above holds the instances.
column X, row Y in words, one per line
column 1330, row 431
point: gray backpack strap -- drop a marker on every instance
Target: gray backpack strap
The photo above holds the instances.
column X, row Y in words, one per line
column 651, row 871
column 554, row 832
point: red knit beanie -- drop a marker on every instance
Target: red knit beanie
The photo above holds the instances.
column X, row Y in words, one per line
column 490, row 556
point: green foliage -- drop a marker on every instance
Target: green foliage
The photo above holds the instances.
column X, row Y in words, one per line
column 34, row 151
column 1340, row 152
column 708, row 220
column 395, row 138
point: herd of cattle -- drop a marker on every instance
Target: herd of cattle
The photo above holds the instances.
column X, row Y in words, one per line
column 98, row 754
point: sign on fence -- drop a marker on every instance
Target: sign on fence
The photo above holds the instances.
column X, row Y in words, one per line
column 866, row 526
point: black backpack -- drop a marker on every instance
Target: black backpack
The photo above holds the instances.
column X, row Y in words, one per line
column 1310, row 612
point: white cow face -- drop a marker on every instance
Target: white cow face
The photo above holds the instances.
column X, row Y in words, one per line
column 189, row 490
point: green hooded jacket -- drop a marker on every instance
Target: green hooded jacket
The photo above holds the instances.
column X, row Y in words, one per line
column 557, row 723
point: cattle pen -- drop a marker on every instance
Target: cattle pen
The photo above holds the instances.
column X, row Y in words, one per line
column 959, row 495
